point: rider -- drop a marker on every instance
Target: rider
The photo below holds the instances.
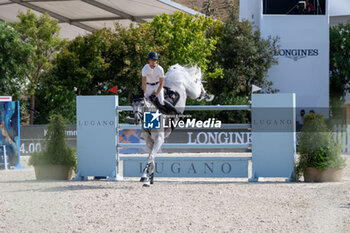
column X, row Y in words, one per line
column 153, row 80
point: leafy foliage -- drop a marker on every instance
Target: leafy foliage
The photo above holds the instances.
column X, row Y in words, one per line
column 339, row 67
column 186, row 40
column 82, row 68
column 56, row 152
column 43, row 34
column 224, row 116
column 245, row 58
column 317, row 147
column 128, row 56
column 14, row 53
column 93, row 63
column 340, row 46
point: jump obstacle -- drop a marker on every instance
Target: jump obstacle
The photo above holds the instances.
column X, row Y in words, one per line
column 273, row 142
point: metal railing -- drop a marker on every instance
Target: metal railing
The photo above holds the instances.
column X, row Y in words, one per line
column 202, row 107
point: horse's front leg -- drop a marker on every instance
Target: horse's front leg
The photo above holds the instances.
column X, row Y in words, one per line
column 204, row 95
column 158, row 142
column 149, row 143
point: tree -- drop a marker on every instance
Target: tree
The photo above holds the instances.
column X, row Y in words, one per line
column 82, row 68
column 339, row 67
column 93, row 63
column 14, row 52
column 245, row 57
column 128, row 56
column 187, row 40
column 43, row 34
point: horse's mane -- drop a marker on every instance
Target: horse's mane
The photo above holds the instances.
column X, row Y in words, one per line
column 177, row 72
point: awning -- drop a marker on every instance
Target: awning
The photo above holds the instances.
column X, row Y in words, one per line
column 78, row 17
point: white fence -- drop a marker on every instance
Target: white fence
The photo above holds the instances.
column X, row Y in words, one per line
column 341, row 134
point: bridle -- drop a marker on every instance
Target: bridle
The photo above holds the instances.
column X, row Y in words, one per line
column 137, row 105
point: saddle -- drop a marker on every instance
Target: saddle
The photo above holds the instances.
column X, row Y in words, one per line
column 171, row 96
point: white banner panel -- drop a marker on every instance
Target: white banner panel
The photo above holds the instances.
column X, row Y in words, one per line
column 304, row 57
column 96, row 136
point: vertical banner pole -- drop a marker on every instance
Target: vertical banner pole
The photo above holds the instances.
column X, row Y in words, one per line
column 273, row 135
column 119, row 175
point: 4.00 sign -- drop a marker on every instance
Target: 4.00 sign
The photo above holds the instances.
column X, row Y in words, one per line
column 30, row 148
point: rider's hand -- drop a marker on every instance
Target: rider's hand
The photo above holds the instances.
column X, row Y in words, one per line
column 156, row 95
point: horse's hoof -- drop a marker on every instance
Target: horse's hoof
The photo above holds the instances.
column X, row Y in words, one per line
column 146, row 185
column 143, row 179
column 209, row 98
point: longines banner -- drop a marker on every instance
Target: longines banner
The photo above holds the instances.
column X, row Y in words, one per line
column 32, row 138
column 303, row 59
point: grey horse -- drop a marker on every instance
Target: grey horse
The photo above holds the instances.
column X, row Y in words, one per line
column 187, row 82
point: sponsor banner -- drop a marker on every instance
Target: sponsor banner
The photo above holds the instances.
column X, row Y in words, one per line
column 188, row 166
column 33, row 138
column 297, row 54
column 303, row 59
column 209, row 136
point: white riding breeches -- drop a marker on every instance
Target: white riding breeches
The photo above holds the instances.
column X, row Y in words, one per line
column 152, row 89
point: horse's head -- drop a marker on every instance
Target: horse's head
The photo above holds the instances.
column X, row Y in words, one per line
column 138, row 104
column 197, row 78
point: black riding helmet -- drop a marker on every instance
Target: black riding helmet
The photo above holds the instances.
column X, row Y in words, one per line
column 152, row 55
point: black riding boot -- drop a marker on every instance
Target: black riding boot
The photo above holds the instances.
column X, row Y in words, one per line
column 171, row 107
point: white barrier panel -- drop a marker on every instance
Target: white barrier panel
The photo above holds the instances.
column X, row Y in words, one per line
column 96, row 136
column 273, row 135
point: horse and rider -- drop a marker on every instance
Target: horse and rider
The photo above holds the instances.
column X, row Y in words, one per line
column 166, row 93
column 153, row 82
